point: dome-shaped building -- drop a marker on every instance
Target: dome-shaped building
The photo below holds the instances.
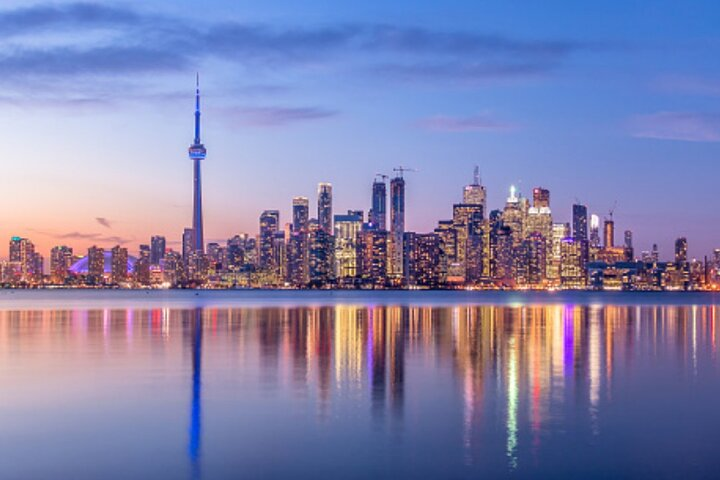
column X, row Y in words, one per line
column 81, row 266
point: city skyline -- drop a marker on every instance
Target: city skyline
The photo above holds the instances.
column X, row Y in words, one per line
column 633, row 127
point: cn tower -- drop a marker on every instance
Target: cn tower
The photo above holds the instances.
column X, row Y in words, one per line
column 197, row 153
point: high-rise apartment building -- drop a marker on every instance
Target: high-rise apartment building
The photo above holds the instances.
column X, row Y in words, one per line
column 96, row 265
column 347, row 228
column 119, row 264
column 573, row 265
column 378, row 213
column 61, row 259
column 325, row 208
column 269, row 226
column 372, row 258
column 424, row 259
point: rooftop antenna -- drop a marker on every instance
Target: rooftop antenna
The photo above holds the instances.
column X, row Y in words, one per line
column 476, row 175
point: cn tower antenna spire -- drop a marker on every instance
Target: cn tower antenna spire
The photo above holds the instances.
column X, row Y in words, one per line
column 197, row 108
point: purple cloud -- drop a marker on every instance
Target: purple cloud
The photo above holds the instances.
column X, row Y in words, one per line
column 75, row 235
column 473, row 123
column 692, row 85
column 138, row 42
column 467, row 73
column 276, row 116
column 685, row 126
column 103, row 221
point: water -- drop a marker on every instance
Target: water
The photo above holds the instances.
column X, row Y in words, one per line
column 114, row 384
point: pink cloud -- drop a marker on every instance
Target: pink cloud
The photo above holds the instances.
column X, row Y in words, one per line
column 473, row 123
column 685, row 126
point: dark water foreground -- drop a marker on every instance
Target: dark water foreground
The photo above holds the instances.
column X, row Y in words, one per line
column 358, row 385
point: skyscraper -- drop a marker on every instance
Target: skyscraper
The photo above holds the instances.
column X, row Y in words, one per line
column 157, row 249
column 474, row 194
column 347, row 228
column 579, row 222
column 188, row 239
column 372, row 257
column 594, row 231
column 297, row 243
column 573, row 265
column 197, row 153
column 61, row 259
column 681, row 247
column 424, row 258
column 119, row 264
column 467, row 219
column 378, row 214
column 629, row 251
column 23, row 259
column 96, row 265
column 541, row 197
column 320, row 256
column 397, row 225
column 301, row 214
column 514, row 216
column 324, row 205
column 553, row 257
column 269, row 225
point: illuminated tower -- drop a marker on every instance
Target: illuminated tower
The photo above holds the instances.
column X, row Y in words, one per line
column 594, row 231
column 197, row 153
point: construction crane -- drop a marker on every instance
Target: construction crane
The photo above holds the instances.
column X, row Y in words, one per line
column 381, row 176
column 401, row 170
column 611, row 212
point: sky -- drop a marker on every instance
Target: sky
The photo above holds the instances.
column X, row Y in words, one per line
column 615, row 104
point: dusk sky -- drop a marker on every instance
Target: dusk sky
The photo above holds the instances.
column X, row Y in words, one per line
column 606, row 102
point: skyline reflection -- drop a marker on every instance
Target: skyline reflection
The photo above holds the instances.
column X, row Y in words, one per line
column 502, row 384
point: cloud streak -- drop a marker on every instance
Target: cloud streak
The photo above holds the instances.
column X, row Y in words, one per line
column 683, row 126
column 276, row 116
column 103, row 221
column 95, row 237
column 473, row 123
column 87, row 236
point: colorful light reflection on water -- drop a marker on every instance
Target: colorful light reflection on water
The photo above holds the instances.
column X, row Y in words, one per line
column 353, row 391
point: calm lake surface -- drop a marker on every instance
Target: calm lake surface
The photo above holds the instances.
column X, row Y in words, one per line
column 260, row 384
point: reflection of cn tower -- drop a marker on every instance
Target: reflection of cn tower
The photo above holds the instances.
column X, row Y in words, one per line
column 195, row 408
